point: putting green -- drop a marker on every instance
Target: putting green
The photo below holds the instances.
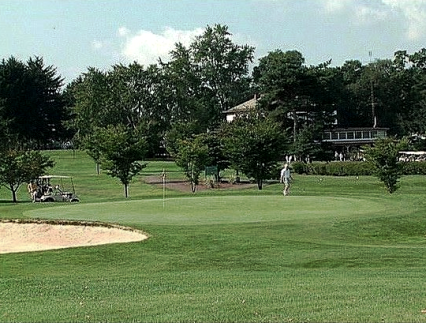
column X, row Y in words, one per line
column 213, row 210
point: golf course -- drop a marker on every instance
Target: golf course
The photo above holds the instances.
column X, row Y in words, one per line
column 337, row 249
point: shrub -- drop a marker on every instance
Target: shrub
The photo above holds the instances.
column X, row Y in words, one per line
column 414, row 168
column 333, row 168
column 383, row 156
column 352, row 168
column 299, row 167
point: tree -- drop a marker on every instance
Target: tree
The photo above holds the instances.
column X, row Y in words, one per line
column 208, row 77
column 178, row 132
column 121, row 150
column 137, row 94
column 383, row 155
column 129, row 95
column 254, row 145
column 414, row 113
column 192, row 157
column 216, row 151
column 88, row 96
column 19, row 166
column 32, row 100
column 93, row 148
column 6, row 139
column 183, row 90
column 307, row 146
column 182, row 131
column 282, row 80
column 296, row 96
column 379, row 94
column 351, row 103
column 223, row 68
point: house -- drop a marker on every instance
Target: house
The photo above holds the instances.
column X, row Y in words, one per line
column 347, row 142
column 353, row 137
column 240, row 109
column 343, row 140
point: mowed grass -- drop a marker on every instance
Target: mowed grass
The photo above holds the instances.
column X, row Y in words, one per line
column 336, row 250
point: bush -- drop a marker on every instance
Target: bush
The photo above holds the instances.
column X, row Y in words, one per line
column 299, row 167
column 351, row 168
column 414, row 168
column 333, row 168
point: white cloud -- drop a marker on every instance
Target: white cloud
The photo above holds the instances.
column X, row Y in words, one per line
column 367, row 14
column 97, row 44
column 146, row 47
column 333, row 6
column 412, row 13
column 123, row 31
column 363, row 12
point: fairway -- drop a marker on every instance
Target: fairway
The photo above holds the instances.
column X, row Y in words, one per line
column 215, row 210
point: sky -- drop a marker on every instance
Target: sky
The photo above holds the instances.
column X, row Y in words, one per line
column 72, row 35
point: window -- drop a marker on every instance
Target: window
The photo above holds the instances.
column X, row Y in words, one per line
column 381, row 134
column 350, row 135
column 342, row 135
column 334, row 135
column 358, row 135
column 366, row 135
column 326, row 136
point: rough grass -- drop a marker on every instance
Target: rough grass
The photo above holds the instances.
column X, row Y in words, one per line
column 336, row 250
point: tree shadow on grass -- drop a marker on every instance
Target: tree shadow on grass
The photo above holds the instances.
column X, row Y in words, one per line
column 11, row 202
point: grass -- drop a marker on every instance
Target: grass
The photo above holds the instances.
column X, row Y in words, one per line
column 337, row 249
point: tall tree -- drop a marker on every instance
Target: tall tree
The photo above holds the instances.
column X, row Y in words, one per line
column 126, row 95
column 223, row 68
column 88, row 97
column 209, row 77
column 351, row 104
column 137, row 94
column 6, row 140
column 296, row 96
column 415, row 116
column 32, row 100
column 379, row 94
column 183, row 90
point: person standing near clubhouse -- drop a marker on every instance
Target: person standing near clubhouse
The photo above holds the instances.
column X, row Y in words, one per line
column 285, row 178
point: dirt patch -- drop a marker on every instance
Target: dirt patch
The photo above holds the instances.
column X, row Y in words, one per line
column 184, row 186
column 18, row 236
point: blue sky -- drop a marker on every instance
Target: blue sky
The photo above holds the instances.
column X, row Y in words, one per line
column 73, row 35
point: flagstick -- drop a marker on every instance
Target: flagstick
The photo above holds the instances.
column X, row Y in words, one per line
column 164, row 186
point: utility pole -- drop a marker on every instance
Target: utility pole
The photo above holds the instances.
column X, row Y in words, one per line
column 373, row 110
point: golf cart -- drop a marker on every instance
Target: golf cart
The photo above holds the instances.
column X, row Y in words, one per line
column 53, row 188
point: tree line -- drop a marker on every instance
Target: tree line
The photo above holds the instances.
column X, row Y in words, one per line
column 130, row 112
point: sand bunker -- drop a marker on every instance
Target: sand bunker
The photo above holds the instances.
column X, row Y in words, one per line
column 34, row 236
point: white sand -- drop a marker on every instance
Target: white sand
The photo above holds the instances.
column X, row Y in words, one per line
column 25, row 237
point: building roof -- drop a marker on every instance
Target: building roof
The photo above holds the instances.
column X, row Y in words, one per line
column 356, row 129
column 248, row 105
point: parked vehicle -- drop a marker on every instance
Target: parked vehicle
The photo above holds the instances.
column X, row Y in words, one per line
column 54, row 188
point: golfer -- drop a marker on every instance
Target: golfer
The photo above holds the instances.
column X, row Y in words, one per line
column 32, row 189
column 286, row 179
